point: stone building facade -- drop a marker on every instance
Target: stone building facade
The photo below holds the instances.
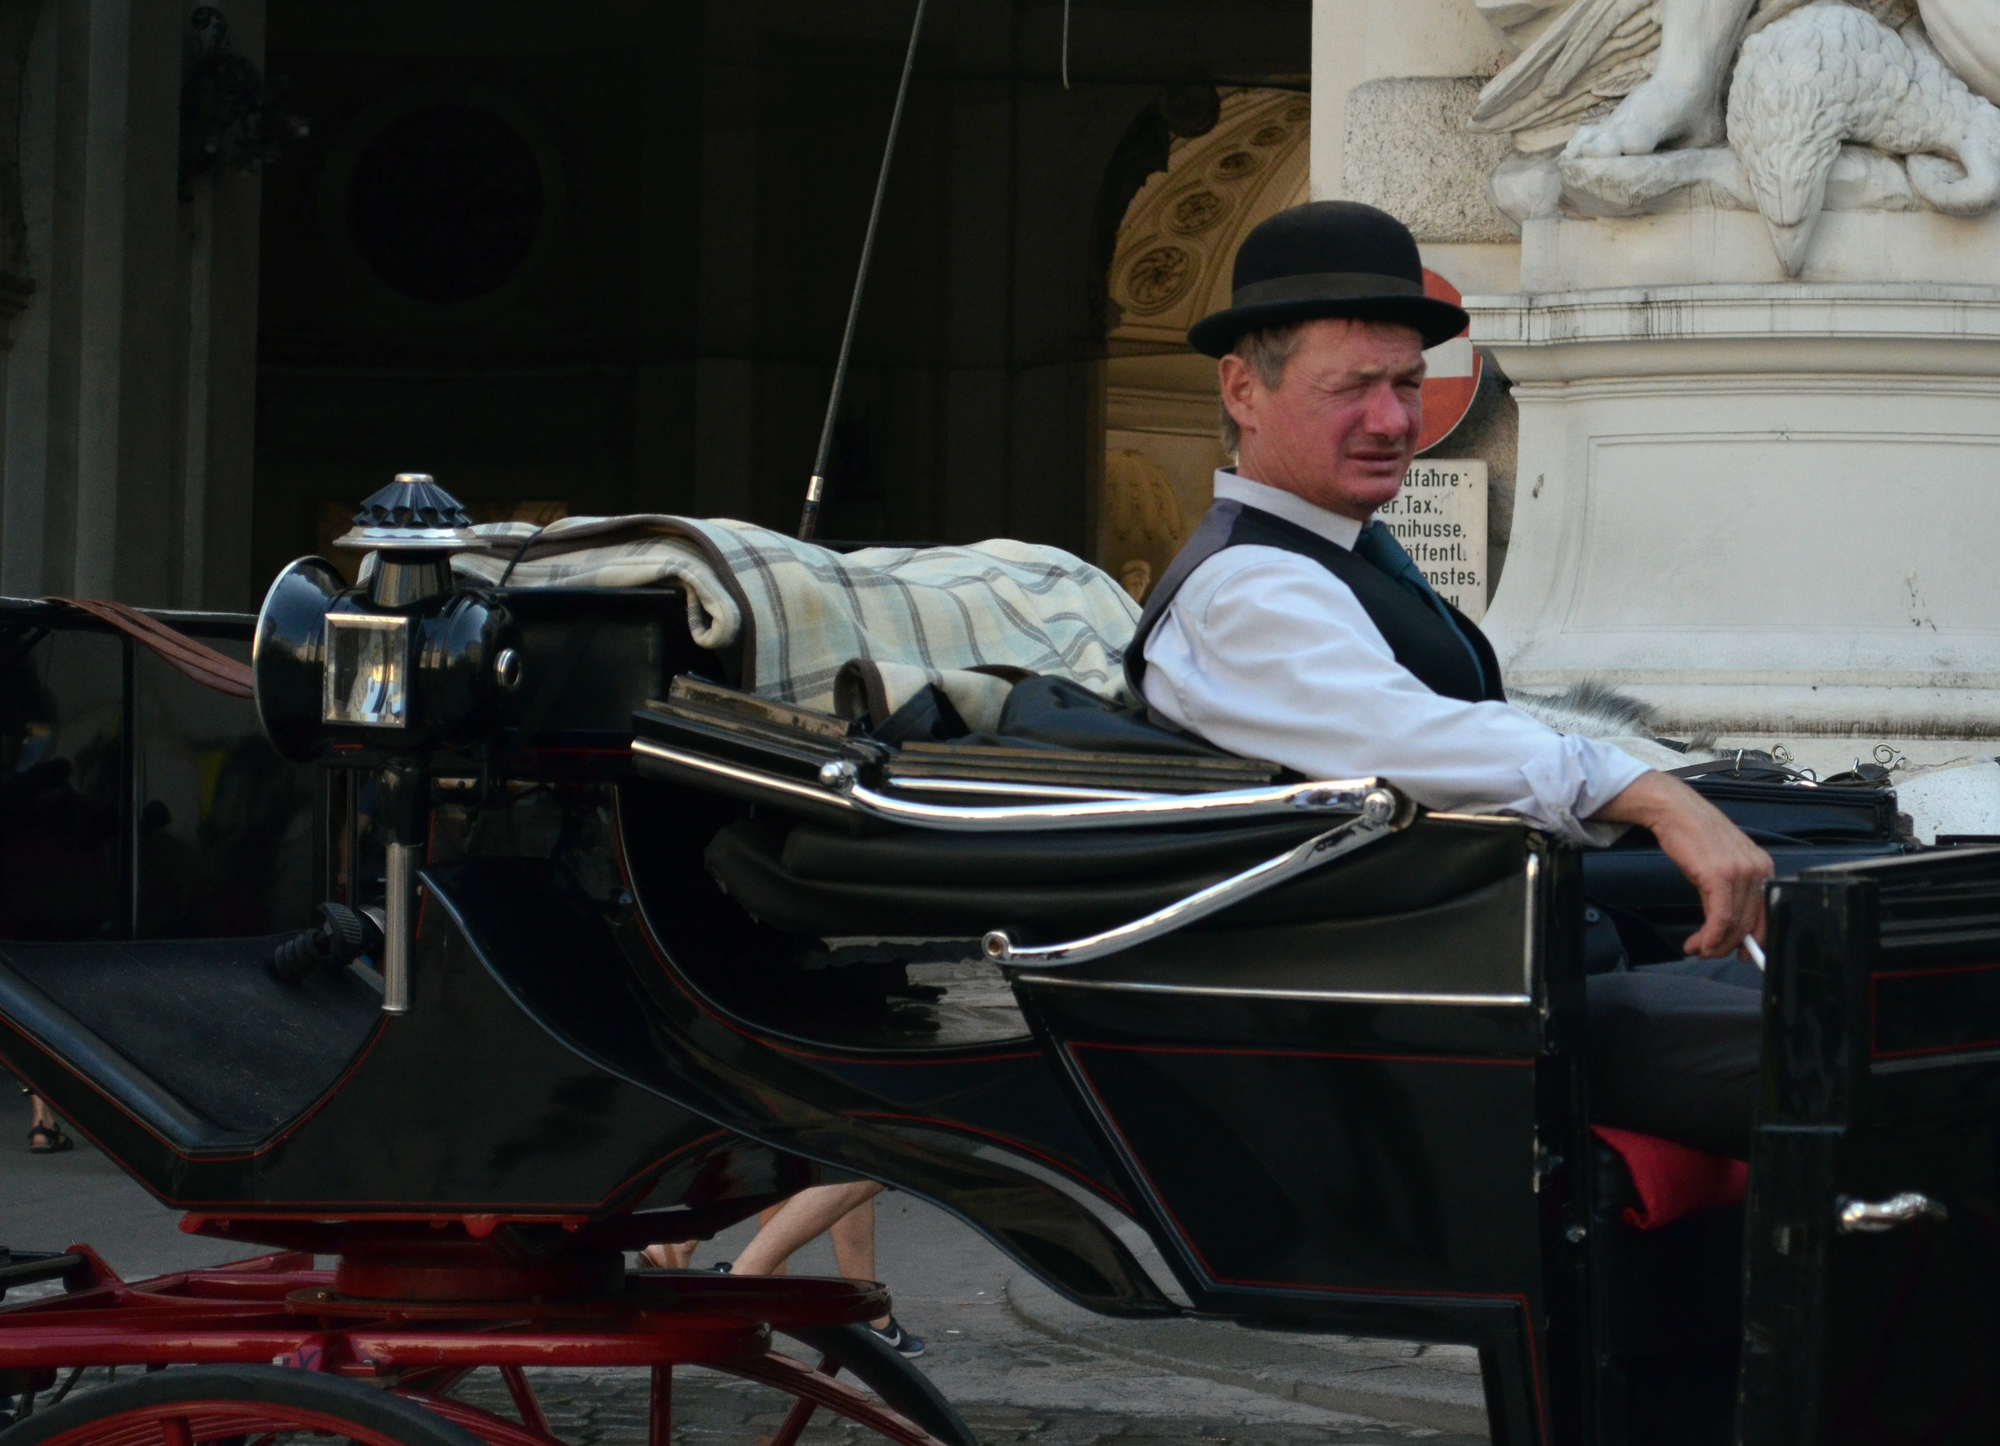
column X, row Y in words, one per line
column 1738, row 263
column 256, row 257
column 591, row 257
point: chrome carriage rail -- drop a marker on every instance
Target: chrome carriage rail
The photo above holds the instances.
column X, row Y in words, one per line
column 1107, row 810
column 841, row 790
column 1381, row 814
column 1368, row 810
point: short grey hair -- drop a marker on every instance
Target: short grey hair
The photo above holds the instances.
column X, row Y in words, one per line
column 1266, row 353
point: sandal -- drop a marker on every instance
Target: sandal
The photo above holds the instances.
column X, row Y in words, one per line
column 48, row 1140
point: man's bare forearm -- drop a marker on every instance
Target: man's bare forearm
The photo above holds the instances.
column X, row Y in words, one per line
column 1726, row 868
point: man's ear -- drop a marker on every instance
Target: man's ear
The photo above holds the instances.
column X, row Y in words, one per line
column 1240, row 387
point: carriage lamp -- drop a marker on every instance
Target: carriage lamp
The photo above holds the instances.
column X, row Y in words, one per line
column 403, row 662
column 389, row 670
column 367, row 671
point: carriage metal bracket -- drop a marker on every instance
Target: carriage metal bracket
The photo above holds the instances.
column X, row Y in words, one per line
column 1381, row 813
column 1872, row 1217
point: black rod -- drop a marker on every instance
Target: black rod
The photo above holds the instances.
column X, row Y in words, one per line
column 809, row 519
column 133, row 808
column 1065, row 46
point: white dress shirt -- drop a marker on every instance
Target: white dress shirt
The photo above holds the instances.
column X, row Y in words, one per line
column 1267, row 654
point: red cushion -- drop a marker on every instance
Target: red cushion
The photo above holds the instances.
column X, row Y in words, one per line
column 1673, row 1180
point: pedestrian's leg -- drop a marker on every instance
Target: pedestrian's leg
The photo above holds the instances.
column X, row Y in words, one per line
column 798, row 1220
column 670, row 1255
column 765, row 1217
column 45, row 1136
column 853, row 1236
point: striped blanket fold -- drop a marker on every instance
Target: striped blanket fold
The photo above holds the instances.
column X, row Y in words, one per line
column 801, row 613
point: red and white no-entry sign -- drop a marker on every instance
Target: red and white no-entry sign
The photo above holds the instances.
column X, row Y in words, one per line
column 1453, row 378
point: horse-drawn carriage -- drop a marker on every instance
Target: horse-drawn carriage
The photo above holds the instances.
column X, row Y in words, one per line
column 616, row 951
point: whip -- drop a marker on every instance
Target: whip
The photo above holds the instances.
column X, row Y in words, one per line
column 809, row 519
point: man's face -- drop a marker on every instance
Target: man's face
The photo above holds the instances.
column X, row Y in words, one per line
column 1341, row 427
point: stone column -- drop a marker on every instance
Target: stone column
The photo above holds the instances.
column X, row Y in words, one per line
column 1756, row 356
column 128, row 414
column 1769, row 510
column 724, row 375
column 664, row 380
column 130, row 339
column 21, row 514
column 221, row 234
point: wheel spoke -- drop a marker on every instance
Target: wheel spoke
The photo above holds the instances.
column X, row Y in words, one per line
column 797, row 1379
column 524, row 1399
column 660, row 1408
column 492, row 1429
column 802, row 1412
column 75, row 1375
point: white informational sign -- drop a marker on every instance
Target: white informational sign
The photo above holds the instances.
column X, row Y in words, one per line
column 1440, row 518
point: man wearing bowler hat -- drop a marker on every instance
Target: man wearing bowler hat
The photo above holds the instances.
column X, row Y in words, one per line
column 1293, row 627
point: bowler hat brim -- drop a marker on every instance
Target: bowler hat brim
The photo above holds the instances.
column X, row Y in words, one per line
column 1436, row 321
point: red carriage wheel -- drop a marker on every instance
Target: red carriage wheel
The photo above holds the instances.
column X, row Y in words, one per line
column 237, row 1404
column 241, row 1405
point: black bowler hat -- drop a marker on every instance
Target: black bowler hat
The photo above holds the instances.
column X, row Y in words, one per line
column 1327, row 258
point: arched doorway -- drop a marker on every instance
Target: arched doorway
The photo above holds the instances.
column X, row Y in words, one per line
column 1170, row 268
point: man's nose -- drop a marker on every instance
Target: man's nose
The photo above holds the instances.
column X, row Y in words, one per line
column 1393, row 413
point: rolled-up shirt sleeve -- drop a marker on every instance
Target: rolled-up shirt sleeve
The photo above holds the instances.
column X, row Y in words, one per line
column 1267, row 654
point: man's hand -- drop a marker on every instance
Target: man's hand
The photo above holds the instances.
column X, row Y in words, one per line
column 1727, row 869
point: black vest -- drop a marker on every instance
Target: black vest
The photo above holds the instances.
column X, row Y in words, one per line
column 1415, row 633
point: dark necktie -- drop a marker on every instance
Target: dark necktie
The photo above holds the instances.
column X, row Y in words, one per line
column 1377, row 545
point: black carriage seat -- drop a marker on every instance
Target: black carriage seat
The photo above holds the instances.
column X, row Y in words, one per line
column 1453, row 884
column 815, row 879
column 829, row 878
column 195, row 1039
column 809, row 864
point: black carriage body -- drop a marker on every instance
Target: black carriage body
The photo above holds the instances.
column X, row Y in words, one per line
column 1882, row 1080
column 1355, row 1105
column 1359, row 1125
column 134, row 992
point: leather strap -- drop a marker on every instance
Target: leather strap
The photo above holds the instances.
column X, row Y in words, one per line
column 195, row 660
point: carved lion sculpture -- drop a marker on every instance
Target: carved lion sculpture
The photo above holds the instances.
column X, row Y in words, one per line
column 1626, row 78
column 1829, row 73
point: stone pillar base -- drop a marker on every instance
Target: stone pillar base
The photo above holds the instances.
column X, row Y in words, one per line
column 1766, row 509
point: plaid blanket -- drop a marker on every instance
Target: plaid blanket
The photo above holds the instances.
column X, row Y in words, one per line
column 802, row 613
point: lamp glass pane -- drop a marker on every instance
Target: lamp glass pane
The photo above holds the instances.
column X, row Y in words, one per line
column 367, row 667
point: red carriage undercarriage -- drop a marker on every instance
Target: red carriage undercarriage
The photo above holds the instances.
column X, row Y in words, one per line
column 411, row 1324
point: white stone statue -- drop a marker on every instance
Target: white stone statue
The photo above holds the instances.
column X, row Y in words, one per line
column 1829, row 74
column 1617, row 105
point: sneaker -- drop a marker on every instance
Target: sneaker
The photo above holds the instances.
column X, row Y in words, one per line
column 898, row 1340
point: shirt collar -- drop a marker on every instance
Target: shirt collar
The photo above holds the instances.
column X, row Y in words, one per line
column 1288, row 505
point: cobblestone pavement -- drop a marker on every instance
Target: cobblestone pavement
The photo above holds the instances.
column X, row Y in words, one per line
column 608, row 1408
